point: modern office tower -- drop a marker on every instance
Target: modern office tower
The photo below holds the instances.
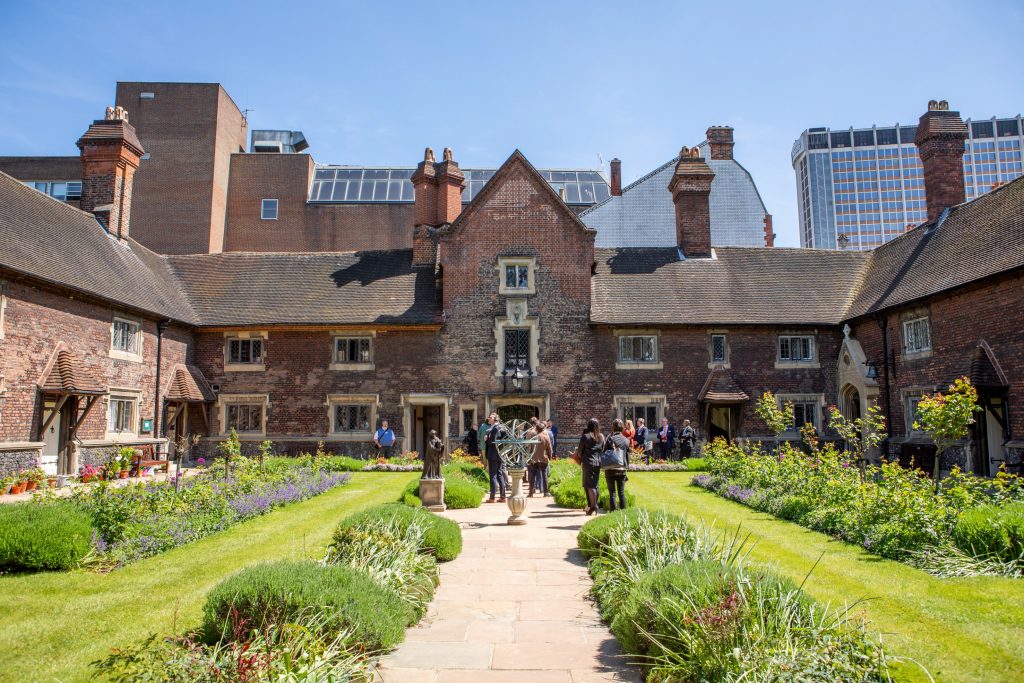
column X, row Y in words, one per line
column 861, row 187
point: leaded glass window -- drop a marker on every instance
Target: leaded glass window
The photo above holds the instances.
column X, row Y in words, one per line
column 517, row 348
column 638, row 349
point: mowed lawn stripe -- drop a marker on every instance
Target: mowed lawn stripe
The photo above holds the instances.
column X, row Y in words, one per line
column 969, row 629
column 55, row 624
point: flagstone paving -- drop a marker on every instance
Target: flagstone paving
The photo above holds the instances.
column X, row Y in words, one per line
column 512, row 607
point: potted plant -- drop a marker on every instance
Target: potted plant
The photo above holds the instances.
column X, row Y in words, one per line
column 87, row 473
column 123, row 461
column 36, row 476
column 5, row 485
column 16, row 485
column 23, row 480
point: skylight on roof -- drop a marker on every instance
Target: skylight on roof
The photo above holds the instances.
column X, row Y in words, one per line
column 349, row 184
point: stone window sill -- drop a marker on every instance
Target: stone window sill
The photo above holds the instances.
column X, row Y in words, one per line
column 244, row 367
column 797, row 365
column 117, row 354
column 640, row 366
column 351, row 367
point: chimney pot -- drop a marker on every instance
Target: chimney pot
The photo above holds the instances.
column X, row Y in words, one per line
column 940, row 143
column 438, row 187
column 616, row 179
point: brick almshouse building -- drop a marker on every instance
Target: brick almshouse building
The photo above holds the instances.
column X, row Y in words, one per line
column 504, row 303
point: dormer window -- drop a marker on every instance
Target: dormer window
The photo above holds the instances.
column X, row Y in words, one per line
column 268, row 210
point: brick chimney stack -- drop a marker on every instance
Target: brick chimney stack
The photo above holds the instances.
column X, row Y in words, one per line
column 691, row 189
column 720, row 141
column 438, row 201
column 616, row 180
column 110, row 153
column 940, row 143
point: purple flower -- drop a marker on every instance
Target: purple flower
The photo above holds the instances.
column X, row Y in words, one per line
column 201, row 461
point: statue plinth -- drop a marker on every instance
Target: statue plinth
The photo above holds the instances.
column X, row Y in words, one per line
column 517, row 501
column 432, row 494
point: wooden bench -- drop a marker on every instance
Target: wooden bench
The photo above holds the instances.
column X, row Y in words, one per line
column 140, row 462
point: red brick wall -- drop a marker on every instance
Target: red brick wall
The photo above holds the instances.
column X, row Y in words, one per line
column 37, row 320
column 958, row 322
column 303, row 227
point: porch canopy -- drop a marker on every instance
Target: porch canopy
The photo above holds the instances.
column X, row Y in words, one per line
column 186, row 385
column 68, row 379
column 721, row 387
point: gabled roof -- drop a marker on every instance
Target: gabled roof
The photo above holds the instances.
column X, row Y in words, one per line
column 50, row 241
column 739, row 286
column 340, row 288
column 975, row 240
column 188, row 384
column 721, row 387
column 515, row 160
column 66, row 374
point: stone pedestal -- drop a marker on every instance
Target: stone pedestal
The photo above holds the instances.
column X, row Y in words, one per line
column 517, row 501
column 432, row 494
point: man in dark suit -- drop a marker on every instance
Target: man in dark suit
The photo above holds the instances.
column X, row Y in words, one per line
column 494, row 433
column 666, row 438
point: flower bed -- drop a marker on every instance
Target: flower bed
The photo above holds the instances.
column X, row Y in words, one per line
column 887, row 509
column 144, row 519
column 685, row 603
column 306, row 620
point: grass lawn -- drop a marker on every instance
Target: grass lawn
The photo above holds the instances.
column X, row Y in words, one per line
column 53, row 625
column 960, row 629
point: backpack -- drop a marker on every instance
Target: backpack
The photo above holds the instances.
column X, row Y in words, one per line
column 613, row 458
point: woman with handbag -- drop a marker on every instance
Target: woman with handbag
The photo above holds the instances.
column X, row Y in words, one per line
column 591, row 447
column 615, row 463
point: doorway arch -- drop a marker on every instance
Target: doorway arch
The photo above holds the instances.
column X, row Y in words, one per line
column 850, row 402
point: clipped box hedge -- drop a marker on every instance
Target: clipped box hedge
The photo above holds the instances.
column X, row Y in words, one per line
column 35, row 537
column 285, row 591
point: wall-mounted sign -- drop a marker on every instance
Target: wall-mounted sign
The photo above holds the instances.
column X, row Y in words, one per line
column 147, row 424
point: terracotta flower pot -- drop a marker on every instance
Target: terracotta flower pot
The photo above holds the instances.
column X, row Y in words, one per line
column 51, row 482
column 16, row 489
column 123, row 474
column 86, row 478
column 30, row 486
column 23, row 484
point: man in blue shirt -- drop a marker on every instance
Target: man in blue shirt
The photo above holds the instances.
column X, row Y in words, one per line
column 384, row 439
column 554, row 437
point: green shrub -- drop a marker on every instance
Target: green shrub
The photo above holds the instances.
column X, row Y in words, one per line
column 696, row 464
column 391, row 554
column 828, row 520
column 441, row 536
column 794, row 508
column 569, row 493
column 594, row 533
column 461, row 494
column 992, row 530
column 50, row 536
column 560, row 470
column 278, row 592
column 341, row 463
column 466, row 470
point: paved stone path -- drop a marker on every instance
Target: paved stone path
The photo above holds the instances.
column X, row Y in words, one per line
column 511, row 608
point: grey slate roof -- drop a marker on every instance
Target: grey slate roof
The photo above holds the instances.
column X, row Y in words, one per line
column 51, row 241
column 644, row 215
column 740, row 286
column 978, row 239
column 324, row 288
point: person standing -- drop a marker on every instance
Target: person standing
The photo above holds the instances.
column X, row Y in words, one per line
column 642, row 440
column 615, row 464
column 553, row 433
column 384, row 439
column 494, row 464
column 629, row 431
column 687, row 437
column 472, row 441
column 540, row 459
column 666, row 438
column 591, row 446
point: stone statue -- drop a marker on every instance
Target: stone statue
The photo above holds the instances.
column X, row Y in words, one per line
column 432, row 458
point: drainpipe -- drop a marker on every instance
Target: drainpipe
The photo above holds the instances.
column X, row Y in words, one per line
column 161, row 327
column 883, row 325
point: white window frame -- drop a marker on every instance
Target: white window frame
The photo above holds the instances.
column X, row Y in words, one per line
column 124, row 354
column 337, row 337
column 818, row 400
column 233, row 366
column 660, row 401
column 711, row 349
column 122, row 395
column 463, row 407
column 265, row 205
column 782, row 363
column 621, row 364
column 910, row 336
column 531, row 274
column 226, row 400
column 371, row 401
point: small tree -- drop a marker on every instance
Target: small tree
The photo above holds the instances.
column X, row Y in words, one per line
column 861, row 434
column 777, row 419
column 230, row 448
column 266, row 451
column 947, row 417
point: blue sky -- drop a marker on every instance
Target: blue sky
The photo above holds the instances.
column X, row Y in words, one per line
column 376, row 82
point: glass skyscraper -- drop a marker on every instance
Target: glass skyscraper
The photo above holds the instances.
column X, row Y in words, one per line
column 861, row 187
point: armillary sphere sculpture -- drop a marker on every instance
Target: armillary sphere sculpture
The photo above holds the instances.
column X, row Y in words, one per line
column 516, row 448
